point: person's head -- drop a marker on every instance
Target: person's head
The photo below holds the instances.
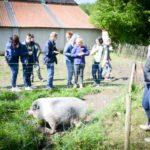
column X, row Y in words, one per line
column 99, row 41
column 32, row 37
column 15, row 40
column 73, row 38
column 53, row 36
column 69, row 35
column 28, row 38
column 79, row 41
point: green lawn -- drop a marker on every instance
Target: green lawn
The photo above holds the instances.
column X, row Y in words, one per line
column 105, row 131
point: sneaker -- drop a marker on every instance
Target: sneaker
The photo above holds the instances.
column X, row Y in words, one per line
column 33, row 87
column 49, row 88
column 81, row 86
column 28, row 88
column 94, row 84
column 75, row 86
column 15, row 89
column 145, row 127
column 69, row 85
column 97, row 85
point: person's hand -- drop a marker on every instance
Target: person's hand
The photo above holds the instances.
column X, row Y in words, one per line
column 56, row 52
column 81, row 54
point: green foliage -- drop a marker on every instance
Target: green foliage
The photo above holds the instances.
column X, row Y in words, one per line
column 87, row 8
column 84, row 138
column 125, row 20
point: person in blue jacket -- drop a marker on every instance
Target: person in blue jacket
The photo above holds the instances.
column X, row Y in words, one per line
column 49, row 58
column 13, row 51
column 71, row 38
column 68, row 59
column 31, row 59
column 146, row 95
column 78, row 53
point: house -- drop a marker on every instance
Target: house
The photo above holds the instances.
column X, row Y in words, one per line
column 41, row 17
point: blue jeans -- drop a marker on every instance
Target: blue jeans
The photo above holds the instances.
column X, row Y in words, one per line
column 79, row 70
column 50, row 75
column 27, row 72
column 97, row 72
column 14, row 73
column 70, row 70
column 146, row 101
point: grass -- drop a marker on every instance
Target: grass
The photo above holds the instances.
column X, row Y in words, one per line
column 18, row 130
column 106, row 130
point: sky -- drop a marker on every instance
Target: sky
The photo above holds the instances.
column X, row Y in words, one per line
column 85, row 1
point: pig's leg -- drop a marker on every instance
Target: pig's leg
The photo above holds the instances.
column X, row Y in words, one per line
column 52, row 125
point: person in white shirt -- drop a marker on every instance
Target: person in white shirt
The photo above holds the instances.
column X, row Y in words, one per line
column 97, row 52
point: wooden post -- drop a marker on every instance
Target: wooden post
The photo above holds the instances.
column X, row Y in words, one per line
column 128, row 111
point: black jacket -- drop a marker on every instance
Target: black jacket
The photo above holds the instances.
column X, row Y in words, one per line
column 49, row 56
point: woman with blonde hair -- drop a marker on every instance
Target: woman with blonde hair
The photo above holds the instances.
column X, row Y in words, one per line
column 78, row 53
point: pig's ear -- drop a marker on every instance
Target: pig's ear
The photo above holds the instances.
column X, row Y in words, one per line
column 35, row 107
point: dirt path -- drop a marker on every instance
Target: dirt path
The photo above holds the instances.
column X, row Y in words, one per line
column 112, row 89
column 98, row 101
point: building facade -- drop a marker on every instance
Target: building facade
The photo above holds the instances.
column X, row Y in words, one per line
column 42, row 17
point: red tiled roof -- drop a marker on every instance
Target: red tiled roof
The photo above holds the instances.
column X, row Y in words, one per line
column 71, row 16
column 29, row 14
column 4, row 19
column 32, row 15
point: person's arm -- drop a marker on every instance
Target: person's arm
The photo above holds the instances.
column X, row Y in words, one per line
column 48, row 49
column 39, row 50
column 23, row 54
column 8, row 52
column 74, row 53
column 94, row 50
column 147, row 71
column 86, row 52
column 67, row 51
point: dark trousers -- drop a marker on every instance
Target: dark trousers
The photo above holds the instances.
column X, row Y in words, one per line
column 97, row 72
column 50, row 75
column 146, row 101
column 79, row 70
column 27, row 72
column 14, row 73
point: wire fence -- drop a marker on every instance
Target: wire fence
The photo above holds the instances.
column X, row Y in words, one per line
column 60, row 75
column 136, row 51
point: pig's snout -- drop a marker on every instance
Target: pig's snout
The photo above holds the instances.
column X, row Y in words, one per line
column 30, row 112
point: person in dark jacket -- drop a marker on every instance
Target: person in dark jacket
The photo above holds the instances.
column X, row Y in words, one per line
column 31, row 60
column 146, row 96
column 12, row 52
column 49, row 58
column 79, row 52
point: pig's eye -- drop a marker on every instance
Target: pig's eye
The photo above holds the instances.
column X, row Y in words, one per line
column 35, row 107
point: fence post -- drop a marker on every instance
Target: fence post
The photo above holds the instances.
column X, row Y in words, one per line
column 128, row 110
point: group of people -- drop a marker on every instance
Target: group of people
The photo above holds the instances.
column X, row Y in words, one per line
column 75, row 52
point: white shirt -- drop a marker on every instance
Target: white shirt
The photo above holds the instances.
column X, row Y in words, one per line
column 97, row 51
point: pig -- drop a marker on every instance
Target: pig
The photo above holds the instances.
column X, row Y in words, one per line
column 59, row 110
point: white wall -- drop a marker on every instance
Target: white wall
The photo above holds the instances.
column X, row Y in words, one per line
column 42, row 35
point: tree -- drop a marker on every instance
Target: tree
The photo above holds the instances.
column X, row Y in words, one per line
column 87, row 8
column 125, row 20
